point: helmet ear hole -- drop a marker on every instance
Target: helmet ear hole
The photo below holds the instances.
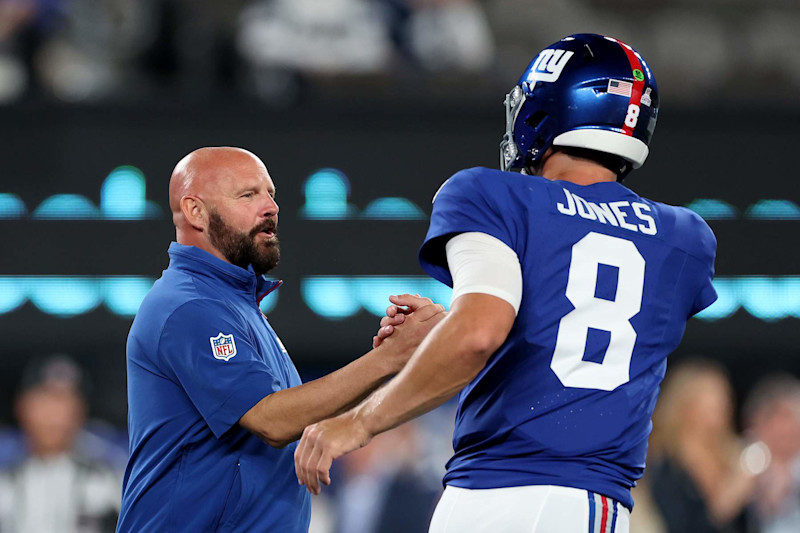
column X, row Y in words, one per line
column 535, row 119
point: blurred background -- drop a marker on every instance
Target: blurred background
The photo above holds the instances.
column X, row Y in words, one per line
column 361, row 109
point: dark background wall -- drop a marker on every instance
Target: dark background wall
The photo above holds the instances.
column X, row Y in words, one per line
column 403, row 150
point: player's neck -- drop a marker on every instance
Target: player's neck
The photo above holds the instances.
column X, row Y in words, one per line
column 563, row 167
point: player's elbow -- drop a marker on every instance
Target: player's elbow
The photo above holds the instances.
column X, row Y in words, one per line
column 480, row 324
column 479, row 344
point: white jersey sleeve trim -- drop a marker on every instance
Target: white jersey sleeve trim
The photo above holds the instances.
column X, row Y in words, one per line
column 480, row 263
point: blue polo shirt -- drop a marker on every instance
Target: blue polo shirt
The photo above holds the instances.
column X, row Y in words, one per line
column 200, row 354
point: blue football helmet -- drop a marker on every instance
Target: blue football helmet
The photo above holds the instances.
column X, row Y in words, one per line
column 585, row 91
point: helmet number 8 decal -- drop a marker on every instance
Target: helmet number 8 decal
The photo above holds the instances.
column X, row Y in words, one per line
column 633, row 116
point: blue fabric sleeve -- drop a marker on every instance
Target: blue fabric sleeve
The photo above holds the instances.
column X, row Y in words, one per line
column 706, row 251
column 468, row 201
column 706, row 297
column 221, row 390
column 706, row 294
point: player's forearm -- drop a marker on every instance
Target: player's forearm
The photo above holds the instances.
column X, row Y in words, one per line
column 280, row 417
column 449, row 358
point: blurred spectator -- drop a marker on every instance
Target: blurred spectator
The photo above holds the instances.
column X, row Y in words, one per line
column 101, row 50
column 24, row 24
column 384, row 490
column 75, row 50
column 694, row 465
column 279, row 38
column 646, row 517
column 447, row 35
column 91, row 56
column 54, row 488
column 328, row 36
column 772, row 419
column 194, row 50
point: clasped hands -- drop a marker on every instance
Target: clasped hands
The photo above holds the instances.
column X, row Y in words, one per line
column 408, row 320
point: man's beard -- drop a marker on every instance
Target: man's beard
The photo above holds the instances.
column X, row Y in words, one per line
column 240, row 248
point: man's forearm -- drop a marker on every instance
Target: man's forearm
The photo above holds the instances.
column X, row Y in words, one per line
column 447, row 360
column 280, row 417
column 435, row 374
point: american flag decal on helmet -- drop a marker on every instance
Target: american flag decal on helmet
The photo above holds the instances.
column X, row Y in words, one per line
column 622, row 88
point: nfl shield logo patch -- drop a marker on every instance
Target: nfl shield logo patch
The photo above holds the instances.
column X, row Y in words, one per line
column 223, row 346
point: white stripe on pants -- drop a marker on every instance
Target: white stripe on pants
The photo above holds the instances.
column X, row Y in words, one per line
column 529, row 509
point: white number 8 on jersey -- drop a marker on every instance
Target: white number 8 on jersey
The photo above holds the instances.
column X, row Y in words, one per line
column 598, row 313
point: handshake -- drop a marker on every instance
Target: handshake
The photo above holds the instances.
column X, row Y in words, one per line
column 407, row 322
column 412, row 317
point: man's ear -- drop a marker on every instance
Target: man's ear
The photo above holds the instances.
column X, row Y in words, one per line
column 195, row 212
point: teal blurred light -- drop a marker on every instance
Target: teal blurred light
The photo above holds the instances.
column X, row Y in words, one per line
column 123, row 196
column 727, row 300
column 712, row 209
column 12, row 206
column 67, row 207
column 338, row 297
column 326, row 192
column 773, row 210
column 13, row 293
column 63, row 296
column 67, row 296
column 373, row 291
column 123, row 295
column 269, row 301
column 393, row 208
column 768, row 298
column 771, row 298
column 330, row 297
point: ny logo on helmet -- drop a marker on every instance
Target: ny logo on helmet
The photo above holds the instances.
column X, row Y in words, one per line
column 548, row 65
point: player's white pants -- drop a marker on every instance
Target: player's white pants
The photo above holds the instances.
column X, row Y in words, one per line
column 531, row 509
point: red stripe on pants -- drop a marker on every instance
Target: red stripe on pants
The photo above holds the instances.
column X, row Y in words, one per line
column 604, row 520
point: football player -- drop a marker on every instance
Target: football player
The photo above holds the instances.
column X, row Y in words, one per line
column 569, row 292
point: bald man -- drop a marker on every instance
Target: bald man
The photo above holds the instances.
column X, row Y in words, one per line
column 215, row 403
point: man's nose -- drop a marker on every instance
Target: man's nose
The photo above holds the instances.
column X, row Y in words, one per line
column 271, row 208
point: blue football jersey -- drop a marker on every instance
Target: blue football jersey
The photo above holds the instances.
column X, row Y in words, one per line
column 609, row 281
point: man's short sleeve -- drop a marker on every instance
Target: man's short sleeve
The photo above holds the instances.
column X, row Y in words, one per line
column 706, row 297
column 706, row 253
column 706, row 294
column 471, row 200
column 211, row 354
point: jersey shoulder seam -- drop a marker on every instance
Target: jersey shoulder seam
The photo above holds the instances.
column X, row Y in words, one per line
column 681, row 210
